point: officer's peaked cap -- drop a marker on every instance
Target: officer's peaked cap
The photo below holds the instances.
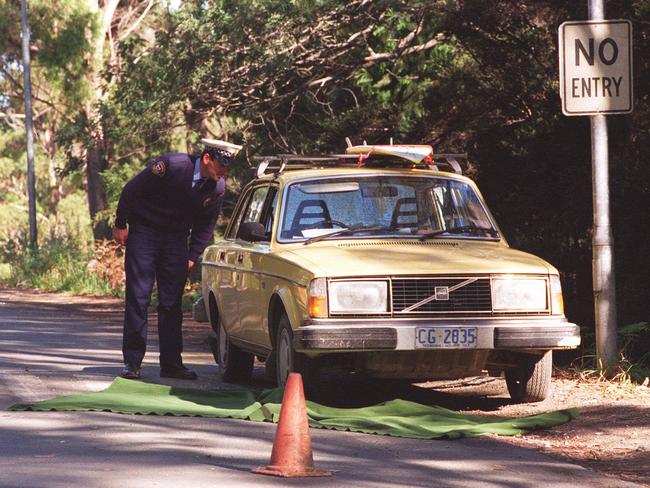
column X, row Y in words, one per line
column 223, row 151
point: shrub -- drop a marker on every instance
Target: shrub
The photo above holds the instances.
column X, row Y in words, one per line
column 108, row 264
column 634, row 340
column 57, row 265
column 634, row 356
column 65, row 265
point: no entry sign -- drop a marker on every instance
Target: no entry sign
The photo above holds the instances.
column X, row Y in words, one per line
column 596, row 67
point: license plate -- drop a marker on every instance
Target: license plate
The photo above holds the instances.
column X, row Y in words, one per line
column 446, row 337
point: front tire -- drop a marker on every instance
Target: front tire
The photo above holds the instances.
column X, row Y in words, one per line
column 286, row 360
column 531, row 382
column 284, row 353
column 234, row 364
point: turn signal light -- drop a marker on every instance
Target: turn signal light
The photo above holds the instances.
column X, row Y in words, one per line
column 557, row 300
column 317, row 307
column 317, row 299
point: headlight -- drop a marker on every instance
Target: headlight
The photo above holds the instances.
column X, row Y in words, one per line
column 358, row 296
column 519, row 294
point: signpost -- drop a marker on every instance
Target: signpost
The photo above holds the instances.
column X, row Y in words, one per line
column 596, row 67
column 596, row 79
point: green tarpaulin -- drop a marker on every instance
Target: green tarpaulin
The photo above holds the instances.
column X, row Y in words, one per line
column 399, row 418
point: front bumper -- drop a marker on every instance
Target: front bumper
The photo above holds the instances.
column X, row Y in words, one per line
column 332, row 335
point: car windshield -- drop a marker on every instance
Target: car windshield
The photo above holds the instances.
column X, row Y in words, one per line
column 383, row 206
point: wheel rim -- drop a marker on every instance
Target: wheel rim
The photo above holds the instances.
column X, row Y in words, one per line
column 285, row 358
column 223, row 346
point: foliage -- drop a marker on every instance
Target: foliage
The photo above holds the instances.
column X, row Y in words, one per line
column 286, row 67
column 59, row 265
column 72, row 43
column 625, row 371
column 635, row 343
column 191, row 294
column 634, row 356
column 114, row 180
column 108, row 264
column 71, row 220
column 64, row 44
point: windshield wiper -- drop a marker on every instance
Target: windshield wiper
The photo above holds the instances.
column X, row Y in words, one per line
column 347, row 230
column 460, row 229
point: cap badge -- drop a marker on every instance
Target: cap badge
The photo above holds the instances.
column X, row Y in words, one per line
column 158, row 168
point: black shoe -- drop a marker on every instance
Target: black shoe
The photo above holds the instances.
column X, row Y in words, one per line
column 130, row 372
column 178, row 372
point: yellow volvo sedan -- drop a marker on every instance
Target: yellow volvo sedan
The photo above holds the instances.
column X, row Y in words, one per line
column 382, row 262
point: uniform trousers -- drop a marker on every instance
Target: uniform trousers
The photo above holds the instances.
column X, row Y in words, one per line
column 160, row 256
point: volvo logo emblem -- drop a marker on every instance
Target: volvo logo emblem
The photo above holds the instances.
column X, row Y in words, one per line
column 442, row 292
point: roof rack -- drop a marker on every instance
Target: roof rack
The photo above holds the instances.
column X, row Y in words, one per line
column 282, row 162
column 275, row 164
column 450, row 160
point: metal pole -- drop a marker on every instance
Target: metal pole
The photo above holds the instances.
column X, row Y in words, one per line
column 31, row 180
column 604, row 284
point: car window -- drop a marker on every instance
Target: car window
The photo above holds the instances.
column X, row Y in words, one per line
column 252, row 209
column 394, row 205
column 269, row 215
column 459, row 205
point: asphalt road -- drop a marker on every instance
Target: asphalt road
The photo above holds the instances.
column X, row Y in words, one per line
column 52, row 345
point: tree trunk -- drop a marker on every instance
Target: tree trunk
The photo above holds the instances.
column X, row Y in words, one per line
column 97, row 202
column 48, row 142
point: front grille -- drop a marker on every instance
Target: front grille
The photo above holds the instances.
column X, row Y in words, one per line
column 473, row 297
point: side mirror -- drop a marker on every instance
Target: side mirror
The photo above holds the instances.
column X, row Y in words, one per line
column 252, row 232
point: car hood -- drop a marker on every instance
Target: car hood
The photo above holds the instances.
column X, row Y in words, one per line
column 413, row 257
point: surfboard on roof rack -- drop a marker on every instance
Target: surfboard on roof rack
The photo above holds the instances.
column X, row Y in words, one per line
column 412, row 152
column 415, row 153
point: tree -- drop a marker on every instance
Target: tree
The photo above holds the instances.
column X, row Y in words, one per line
column 116, row 21
column 74, row 41
column 282, row 66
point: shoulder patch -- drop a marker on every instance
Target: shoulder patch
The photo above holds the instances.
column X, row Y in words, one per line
column 158, row 168
column 207, row 201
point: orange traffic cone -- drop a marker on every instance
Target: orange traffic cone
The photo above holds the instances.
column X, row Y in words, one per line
column 291, row 456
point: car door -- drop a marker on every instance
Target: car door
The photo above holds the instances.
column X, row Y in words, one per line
column 250, row 265
column 229, row 274
column 255, row 299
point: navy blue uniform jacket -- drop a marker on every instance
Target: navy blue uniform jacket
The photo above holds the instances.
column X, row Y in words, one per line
column 162, row 197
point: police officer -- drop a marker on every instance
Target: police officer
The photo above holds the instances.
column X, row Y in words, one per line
column 176, row 197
